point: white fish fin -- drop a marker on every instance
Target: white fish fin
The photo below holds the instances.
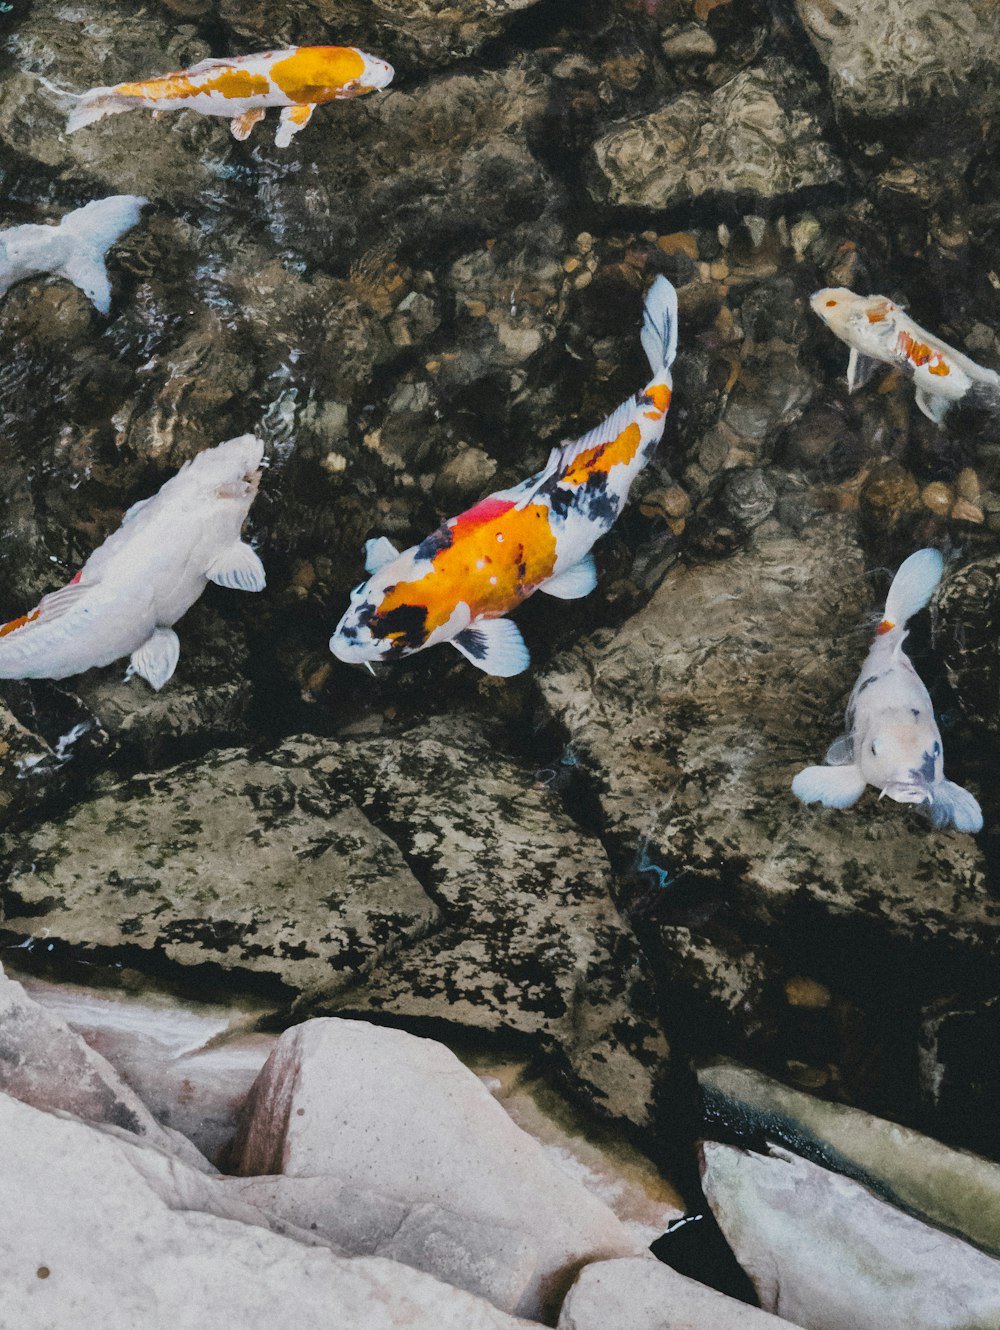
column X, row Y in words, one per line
column 87, row 271
column 241, row 125
column 841, row 752
column 494, row 646
column 563, row 454
column 913, row 586
column 95, row 105
column 954, row 806
column 292, row 119
column 57, row 603
column 834, row 787
column 659, row 325
column 157, row 658
column 379, row 552
column 575, row 582
column 534, row 483
column 136, row 509
column 859, row 369
column 238, row 568
column 933, row 405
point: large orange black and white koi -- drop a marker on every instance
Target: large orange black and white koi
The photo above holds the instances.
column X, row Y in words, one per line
column 876, row 330
column 457, row 585
column 243, row 88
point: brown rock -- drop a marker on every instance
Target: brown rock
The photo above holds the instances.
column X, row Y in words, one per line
column 938, row 497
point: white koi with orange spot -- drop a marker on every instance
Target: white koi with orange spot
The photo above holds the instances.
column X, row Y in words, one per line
column 146, row 575
column 457, row 585
column 876, row 330
column 243, row 88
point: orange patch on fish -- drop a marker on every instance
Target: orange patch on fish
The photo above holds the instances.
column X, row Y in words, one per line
column 942, row 368
column 15, row 624
column 233, row 83
column 317, row 73
column 876, row 316
column 498, row 556
column 886, row 626
column 659, row 394
column 604, row 456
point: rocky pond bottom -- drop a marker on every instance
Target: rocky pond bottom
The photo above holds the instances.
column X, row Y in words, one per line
column 204, row 1164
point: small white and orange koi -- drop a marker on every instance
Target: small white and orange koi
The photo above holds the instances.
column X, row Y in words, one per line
column 877, row 330
column 458, row 583
column 146, row 575
column 243, row 88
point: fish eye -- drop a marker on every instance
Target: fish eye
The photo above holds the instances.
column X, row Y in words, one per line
column 937, row 749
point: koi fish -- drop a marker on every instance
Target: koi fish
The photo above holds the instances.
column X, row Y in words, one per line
column 298, row 80
column 74, row 248
column 892, row 740
column 877, row 330
column 146, row 575
column 458, row 583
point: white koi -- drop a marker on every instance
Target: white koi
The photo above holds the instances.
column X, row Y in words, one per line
column 146, row 575
column 892, row 740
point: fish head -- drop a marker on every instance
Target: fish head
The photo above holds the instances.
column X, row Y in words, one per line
column 379, row 624
column 229, row 471
column 376, row 74
column 850, row 316
column 901, row 755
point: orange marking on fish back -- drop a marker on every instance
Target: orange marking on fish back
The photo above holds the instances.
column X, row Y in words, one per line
column 603, row 456
column 15, row 624
column 886, row 626
column 876, row 316
column 233, row 83
column 499, row 554
column 939, row 367
column 660, row 395
column 318, row 73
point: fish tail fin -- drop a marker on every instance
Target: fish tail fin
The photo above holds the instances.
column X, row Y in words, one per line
column 913, row 586
column 659, row 325
column 95, row 105
column 91, row 231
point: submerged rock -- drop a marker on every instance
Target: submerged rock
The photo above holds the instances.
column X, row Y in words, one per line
column 632, row 1294
column 951, row 1188
column 99, row 1233
column 968, row 605
column 826, row 1254
column 740, row 139
column 379, row 1109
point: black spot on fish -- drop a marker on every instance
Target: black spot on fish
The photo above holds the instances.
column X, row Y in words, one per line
column 643, row 399
column 441, row 539
column 474, row 643
column 915, row 711
column 926, row 770
column 406, row 624
column 872, row 678
column 347, row 631
column 522, row 569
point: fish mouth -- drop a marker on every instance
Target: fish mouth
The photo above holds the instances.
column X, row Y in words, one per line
column 907, row 792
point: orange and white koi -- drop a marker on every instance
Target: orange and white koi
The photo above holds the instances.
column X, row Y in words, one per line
column 243, row 88
column 891, row 738
column 458, row 583
column 146, row 575
column 876, row 330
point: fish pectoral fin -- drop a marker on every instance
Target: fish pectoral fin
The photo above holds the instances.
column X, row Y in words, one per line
column 241, row 125
column 494, row 646
column 85, row 269
column 953, row 806
column 859, row 369
column 841, row 752
column 293, row 118
column 156, row 659
column 239, row 569
column 834, row 787
column 933, row 405
column 577, row 581
column 378, row 553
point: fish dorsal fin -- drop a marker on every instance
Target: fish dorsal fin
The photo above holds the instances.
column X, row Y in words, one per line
column 575, row 582
column 61, row 602
column 379, row 552
column 834, row 787
column 136, row 509
column 859, row 370
column 494, row 646
column 563, row 454
column 841, row 752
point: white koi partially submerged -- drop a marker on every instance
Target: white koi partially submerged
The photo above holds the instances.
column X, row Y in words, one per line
column 146, row 575
column 892, row 740
column 458, row 583
column 877, row 331
column 74, row 248
column 243, row 88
